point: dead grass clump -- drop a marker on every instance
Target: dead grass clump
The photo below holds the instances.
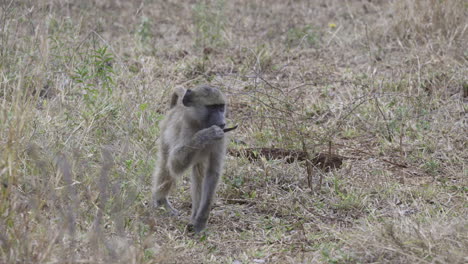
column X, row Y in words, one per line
column 424, row 21
column 438, row 25
column 409, row 240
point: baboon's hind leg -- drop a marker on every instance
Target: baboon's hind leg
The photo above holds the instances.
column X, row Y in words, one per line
column 162, row 184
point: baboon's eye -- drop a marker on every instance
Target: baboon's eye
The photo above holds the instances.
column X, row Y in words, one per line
column 216, row 107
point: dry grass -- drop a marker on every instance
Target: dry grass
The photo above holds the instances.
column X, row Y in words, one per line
column 383, row 83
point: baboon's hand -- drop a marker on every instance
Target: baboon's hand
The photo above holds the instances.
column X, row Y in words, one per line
column 215, row 132
column 212, row 133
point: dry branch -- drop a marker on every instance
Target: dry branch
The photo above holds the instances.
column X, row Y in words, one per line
column 324, row 161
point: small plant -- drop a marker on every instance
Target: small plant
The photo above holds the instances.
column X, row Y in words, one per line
column 431, row 166
column 82, row 76
column 96, row 76
column 302, row 35
column 209, row 24
column 103, row 68
column 263, row 58
column 331, row 254
column 144, row 29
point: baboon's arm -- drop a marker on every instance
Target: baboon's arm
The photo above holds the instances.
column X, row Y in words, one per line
column 181, row 157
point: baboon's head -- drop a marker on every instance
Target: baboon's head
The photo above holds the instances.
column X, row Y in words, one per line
column 206, row 106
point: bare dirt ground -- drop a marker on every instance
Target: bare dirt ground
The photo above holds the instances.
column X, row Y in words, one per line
column 380, row 85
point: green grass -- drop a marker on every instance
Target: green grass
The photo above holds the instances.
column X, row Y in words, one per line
column 83, row 87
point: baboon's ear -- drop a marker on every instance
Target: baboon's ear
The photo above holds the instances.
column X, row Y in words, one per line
column 176, row 94
column 174, row 99
column 187, row 100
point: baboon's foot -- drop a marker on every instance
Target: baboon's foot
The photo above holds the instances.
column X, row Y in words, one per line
column 165, row 205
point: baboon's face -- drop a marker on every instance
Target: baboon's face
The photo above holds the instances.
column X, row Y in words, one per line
column 206, row 106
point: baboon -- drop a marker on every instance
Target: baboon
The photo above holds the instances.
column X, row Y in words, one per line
column 192, row 135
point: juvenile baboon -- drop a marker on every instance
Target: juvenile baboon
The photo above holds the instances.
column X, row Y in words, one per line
column 192, row 135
